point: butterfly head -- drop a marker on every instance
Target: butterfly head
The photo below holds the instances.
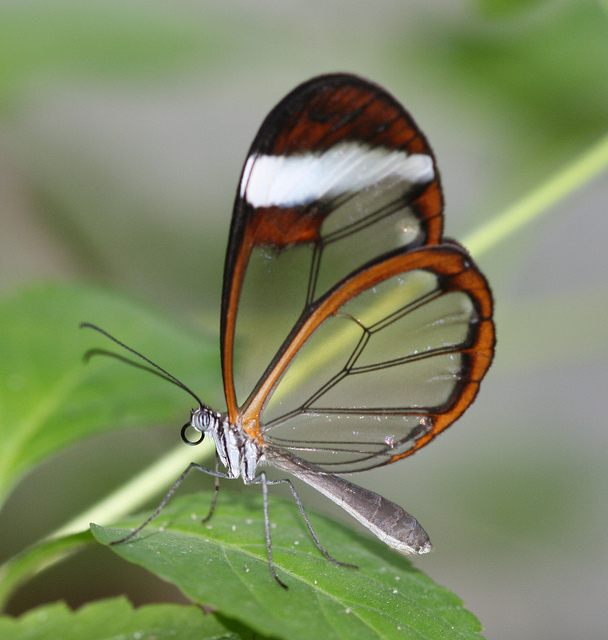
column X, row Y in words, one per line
column 201, row 420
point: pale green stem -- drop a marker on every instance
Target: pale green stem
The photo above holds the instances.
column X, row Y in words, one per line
column 584, row 168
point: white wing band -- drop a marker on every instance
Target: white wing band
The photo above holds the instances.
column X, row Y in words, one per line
column 291, row 181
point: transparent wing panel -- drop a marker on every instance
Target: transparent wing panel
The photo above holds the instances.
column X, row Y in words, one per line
column 369, row 381
column 345, row 442
column 273, row 297
column 370, row 223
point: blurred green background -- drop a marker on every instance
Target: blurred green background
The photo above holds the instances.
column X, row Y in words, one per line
column 123, row 129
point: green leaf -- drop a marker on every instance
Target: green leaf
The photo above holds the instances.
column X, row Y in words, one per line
column 222, row 564
column 115, row 618
column 50, row 397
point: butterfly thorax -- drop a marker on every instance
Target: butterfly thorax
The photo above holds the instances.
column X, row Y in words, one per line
column 239, row 453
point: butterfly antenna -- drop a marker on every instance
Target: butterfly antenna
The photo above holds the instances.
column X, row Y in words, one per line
column 168, row 376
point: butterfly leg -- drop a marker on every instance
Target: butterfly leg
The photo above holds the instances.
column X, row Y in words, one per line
column 309, row 525
column 262, row 479
column 193, row 465
column 216, row 490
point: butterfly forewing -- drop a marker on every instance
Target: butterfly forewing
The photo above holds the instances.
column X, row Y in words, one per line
column 337, row 176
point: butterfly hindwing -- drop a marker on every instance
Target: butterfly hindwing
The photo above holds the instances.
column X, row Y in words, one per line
column 382, row 363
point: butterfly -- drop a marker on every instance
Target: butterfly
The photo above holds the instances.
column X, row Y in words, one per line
column 368, row 333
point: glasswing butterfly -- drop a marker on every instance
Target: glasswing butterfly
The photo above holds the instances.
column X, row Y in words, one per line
column 377, row 331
